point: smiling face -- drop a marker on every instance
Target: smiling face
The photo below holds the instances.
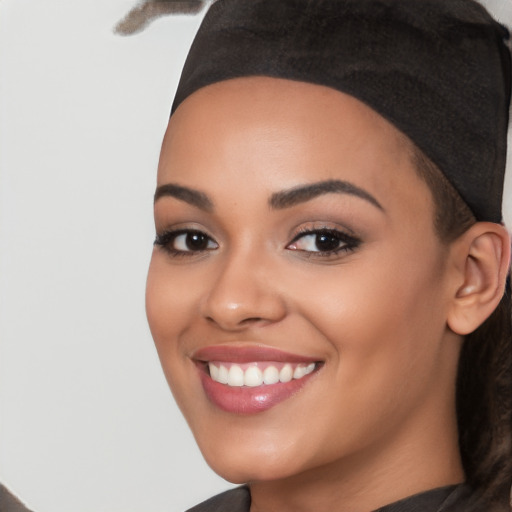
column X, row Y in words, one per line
column 297, row 290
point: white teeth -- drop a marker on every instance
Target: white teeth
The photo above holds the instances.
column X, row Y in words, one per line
column 214, row 372
column 270, row 375
column 299, row 372
column 223, row 375
column 253, row 377
column 286, row 373
column 234, row 375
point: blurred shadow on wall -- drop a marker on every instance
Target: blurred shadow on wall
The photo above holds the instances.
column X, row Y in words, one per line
column 146, row 11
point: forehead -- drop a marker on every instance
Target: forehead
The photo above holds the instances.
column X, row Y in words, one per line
column 275, row 101
column 278, row 134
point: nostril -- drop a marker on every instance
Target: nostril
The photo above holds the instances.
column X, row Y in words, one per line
column 243, row 322
column 251, row 320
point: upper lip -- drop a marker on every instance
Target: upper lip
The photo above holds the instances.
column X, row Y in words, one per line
column 248, row 354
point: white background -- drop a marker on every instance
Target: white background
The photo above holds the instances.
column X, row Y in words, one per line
column 87, row 423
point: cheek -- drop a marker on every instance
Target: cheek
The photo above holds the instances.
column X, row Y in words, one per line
column 170, row 296
column 384, row 318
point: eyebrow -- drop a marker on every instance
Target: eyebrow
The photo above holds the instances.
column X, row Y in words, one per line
column 303, row 193
column 278, row 200
column 188, row 195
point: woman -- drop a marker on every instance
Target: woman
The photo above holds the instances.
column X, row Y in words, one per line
column 326, row 292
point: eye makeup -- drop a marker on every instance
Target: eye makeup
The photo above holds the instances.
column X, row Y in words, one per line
column 317, row 242
column 323, row 242
column 185, row 242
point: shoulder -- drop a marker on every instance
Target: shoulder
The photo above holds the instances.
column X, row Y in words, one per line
column 454, row 498
column 465, row 499
column 235, row 500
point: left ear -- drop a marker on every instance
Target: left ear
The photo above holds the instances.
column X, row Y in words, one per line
column 482, row 259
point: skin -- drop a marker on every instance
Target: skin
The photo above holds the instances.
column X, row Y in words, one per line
column 376, row 422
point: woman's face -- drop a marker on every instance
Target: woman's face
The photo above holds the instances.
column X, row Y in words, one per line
column 295, row 241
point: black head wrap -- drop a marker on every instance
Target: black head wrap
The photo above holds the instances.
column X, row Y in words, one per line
column 439, row 70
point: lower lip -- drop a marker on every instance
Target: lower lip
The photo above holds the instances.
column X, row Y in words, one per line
column 248, row 400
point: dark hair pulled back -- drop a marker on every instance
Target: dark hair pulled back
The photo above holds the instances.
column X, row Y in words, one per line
column 484, row 380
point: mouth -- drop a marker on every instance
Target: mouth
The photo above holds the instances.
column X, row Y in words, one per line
column 248, row 380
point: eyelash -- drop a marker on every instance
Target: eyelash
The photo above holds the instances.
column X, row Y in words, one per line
column 168, row 238
column 348, row 243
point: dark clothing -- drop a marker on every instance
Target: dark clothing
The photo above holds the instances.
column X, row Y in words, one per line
column 235, row 500
column 8, row 503
column 457, row 498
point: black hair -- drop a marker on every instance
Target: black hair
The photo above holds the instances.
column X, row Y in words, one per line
column 484, row 380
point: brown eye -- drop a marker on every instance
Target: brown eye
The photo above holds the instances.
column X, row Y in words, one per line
column 326, row 242
column 191, row 242
column 323, row 242
column 182, row 242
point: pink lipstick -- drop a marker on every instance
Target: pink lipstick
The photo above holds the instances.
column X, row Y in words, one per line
column 247, row 380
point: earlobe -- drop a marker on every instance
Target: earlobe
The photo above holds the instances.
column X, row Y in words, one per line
column 483, row 259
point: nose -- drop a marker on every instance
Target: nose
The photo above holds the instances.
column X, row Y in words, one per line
column 243, row 294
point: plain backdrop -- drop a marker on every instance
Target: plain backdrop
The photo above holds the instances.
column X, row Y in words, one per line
column 87, row 423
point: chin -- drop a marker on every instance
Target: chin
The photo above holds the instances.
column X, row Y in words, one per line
column 241, row 472
column 255, row 460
